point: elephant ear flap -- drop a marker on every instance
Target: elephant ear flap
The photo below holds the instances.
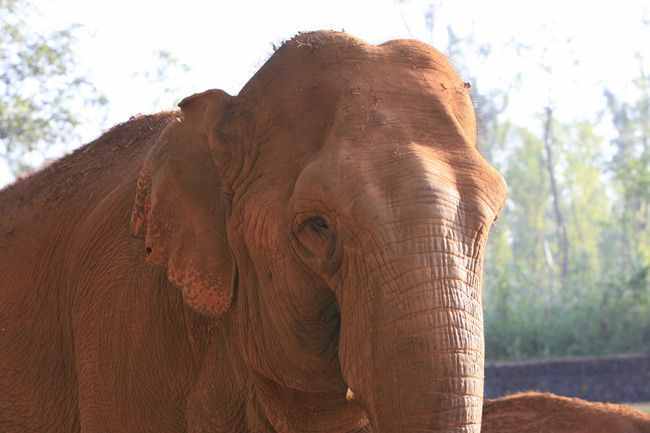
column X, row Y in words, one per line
column 180, row 209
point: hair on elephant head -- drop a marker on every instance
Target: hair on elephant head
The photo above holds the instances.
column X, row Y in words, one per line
column 334, row 216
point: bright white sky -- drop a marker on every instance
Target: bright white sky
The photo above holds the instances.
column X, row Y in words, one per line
column 225, row 42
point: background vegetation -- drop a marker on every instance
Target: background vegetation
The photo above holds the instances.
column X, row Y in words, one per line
column 46, row 97
column 568, row 263
column 41, row 89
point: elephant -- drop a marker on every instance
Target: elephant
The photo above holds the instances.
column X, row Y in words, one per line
column 532, row 412
column 246, row 262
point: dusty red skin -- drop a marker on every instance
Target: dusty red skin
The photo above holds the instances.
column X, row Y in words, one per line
column 534, row 412
column 323, row 229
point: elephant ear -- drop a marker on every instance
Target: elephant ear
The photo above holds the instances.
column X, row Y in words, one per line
column 180, row 207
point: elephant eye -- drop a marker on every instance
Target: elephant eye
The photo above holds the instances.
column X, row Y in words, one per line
column 316, row 243
column 315, row 236
column 318, row 224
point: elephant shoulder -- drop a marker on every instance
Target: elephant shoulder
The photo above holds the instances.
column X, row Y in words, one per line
column 103, row 188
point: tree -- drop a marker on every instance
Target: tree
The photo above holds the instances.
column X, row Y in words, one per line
column 41, row 89
column 630, row 167
column 561, row 231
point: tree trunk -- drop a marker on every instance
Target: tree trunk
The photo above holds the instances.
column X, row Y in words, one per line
column 562, row 238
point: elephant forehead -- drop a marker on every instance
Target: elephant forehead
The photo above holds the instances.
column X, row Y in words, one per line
column 364, row 114
column 323, row 75
column 388, row 115
column 335, row 102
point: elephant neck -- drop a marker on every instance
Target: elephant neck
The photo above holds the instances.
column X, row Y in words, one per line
column 228, row 395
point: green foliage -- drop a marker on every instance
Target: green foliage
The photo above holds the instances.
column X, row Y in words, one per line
column 607, row 318
column 41, row 91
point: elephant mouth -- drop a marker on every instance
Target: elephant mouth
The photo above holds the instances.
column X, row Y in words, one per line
column 293, row 410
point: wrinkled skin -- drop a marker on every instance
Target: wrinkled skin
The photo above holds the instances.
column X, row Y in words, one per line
column 534, row 412
column 238, row 265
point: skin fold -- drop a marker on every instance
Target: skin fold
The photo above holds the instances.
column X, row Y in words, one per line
column 534, row 412
column 245, row 263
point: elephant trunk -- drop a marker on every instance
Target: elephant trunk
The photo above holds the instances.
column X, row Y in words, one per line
column 425, row 349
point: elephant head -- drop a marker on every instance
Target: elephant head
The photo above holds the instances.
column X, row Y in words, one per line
column 333, row 215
